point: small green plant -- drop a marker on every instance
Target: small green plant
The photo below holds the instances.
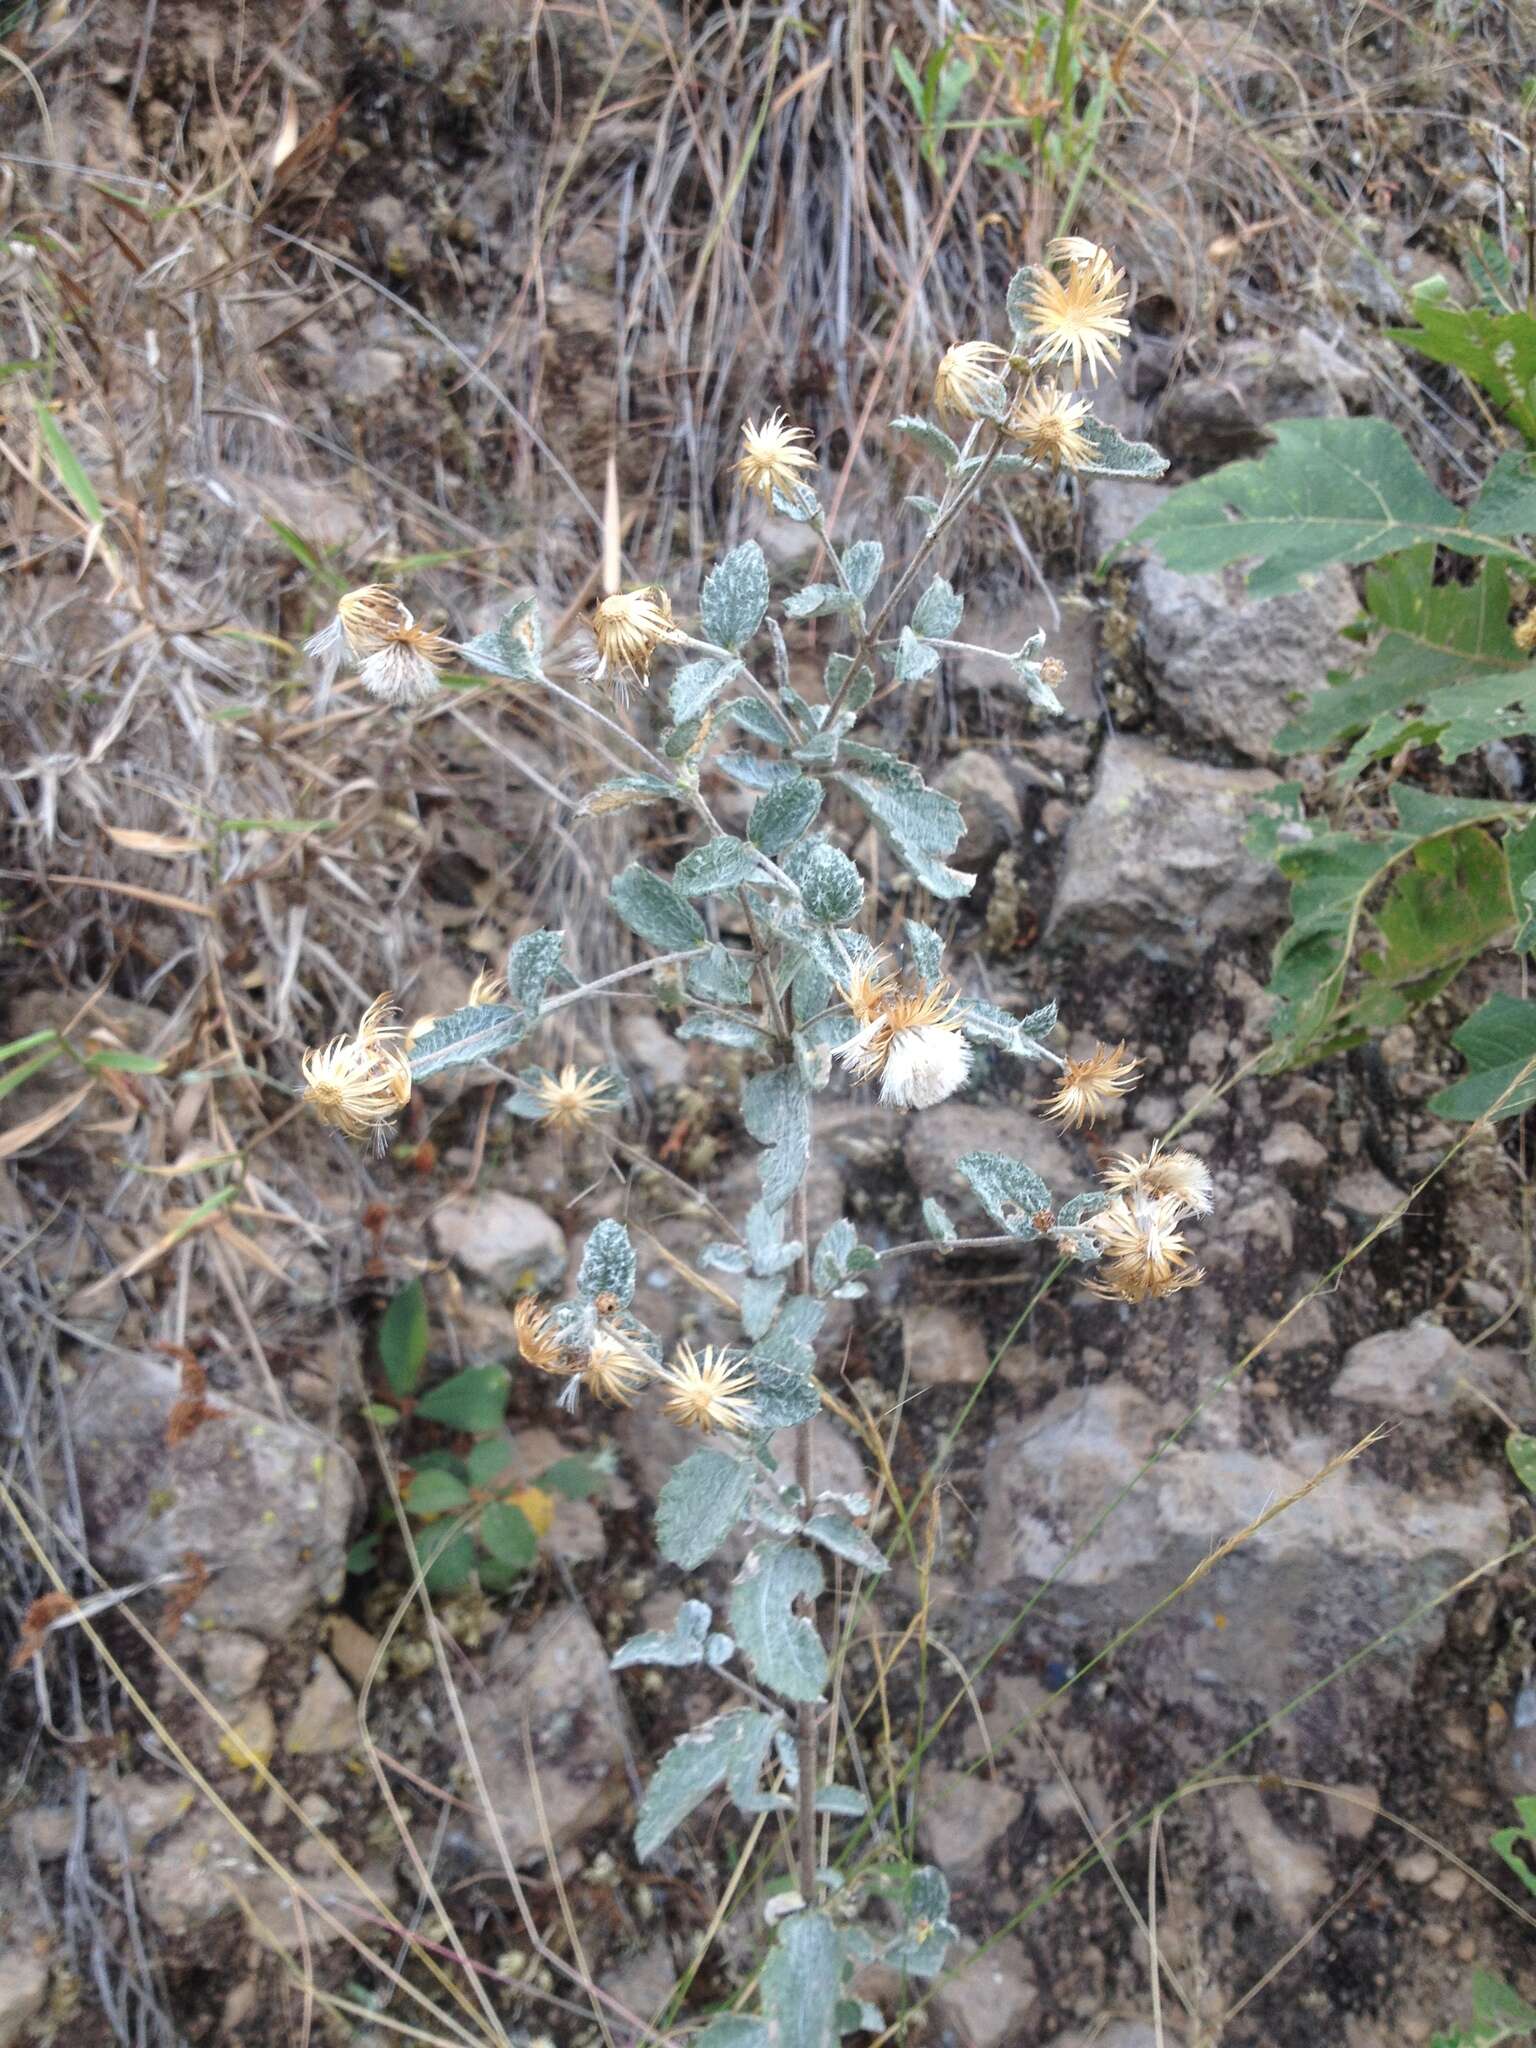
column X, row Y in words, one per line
column 1498, row 2014
column 472, row 1513
column 1392, row 900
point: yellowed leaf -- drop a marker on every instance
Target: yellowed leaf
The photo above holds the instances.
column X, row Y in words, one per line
column 167, row 844
column 17, row 1140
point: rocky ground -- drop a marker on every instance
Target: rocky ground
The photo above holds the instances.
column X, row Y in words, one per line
column 1336, row 1809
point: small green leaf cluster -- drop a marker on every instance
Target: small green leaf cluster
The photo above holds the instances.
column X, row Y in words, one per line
column 472, row 1514
column 1385, row 917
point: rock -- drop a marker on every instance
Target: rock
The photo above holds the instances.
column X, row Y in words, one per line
column 978, row 782
column 555, row 1683
column 1417, row 1867
column 1424, row 1370
column 643, row 1983
column 324, row 1719
column 1293, row 1875
column 509, row 1243
column 267, row 1505
column 1226, row 412
column 1234, row 669
column 1293, row 1152
column 937, row 1138
column 367, row 373
column 353, row 1648
column 1366, row 1193
column 964, row 1816
column 1352, row 1810
column 1113, row 508
column 1118, row 2034
column 1155, row 862
column 987, row 2002
column 23, row 1991
column 651, row 1053
column 206, row 1871
column 943, row 1347
column 232, row 1663
column 129, row 1812
column 1298, row 1595
column 253, row 1737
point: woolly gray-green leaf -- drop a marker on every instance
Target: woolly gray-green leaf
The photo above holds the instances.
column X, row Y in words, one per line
column 740, row 1033
column 937, row 1222
column 931, row 439
column 701, row 1502
column 655, row 911
column 830, row 1265
column 478, row 1032
column 938, row 611
column 927, row 950
column 846, row 1801
column 913, row 658
column 777, row 1112
column 785, row 814
column 784, row 1647
column 836, row 1532
column 927, row 1932
column 696, row 687
column 831, row 887
column 735, row 596
column 988, row 1025
column 680, row 1645
column 720, row 977
column 721, row 863
column 1008, row 1190
column 862, row 563
column 729, row 1750
column 607, row 1264
column 533, row 961
column 819, row 601
column 761, row 722
column 1113, row 455
column 801, row 1982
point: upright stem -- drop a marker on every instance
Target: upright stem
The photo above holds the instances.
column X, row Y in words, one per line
column 805, row 1713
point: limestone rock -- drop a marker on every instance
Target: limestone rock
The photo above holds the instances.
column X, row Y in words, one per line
column 1231, row 668
column 129, row 1812
column 556, row 1682
column 267, row 1505
column 943, row 1347
column 1424, row 1370
column 232, row 1663
column 324, row 1718
column 206, row 1871
column 501, row 1239
column 1226, row 412
column 1300, row 1593
column 1293, row 1151
column 986, row 2005
column 978, row 782
column 963, row 1816
column 937, row 1138
column 1156, row 864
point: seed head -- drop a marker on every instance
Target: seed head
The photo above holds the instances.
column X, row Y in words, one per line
column 771, row 457
column 1048, row 426
column 612, row 1371
column 1077, row 318
column 910, row 1041
column 1178, row 1176
column 363, row 619
column 538, row 1341
column 360, row 1084
column 403, row 668
column 1088, row 1087
column 1145, row 1256
column 707, row 1390
column 573, row 1101
column 965, row 383
column 628, row 629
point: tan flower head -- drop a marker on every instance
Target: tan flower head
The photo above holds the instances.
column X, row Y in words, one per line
column 1077, row 318
column 572, row 1101
column 538, row 1341
column 488, row 986
column 707, row 1390
column 967, row 384
column 1048, row 425
column 628, row 629
column 909, row 1040
column 363, row 620
column 403, row 668
column 1079, row 250
column 1179, row 1176
column 613, row 1372
column 771, row 457
column 1088, row 1087
column 1145, row 1257
column 359, row 1085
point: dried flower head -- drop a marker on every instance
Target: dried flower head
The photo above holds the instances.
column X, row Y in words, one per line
column 538, row 1340
column 612, row 1371
column 628, row 629
column 910, row 1041
column 572, row 1101
column 1077, row 318
column 771, row 457
column 488, row 986
column 1047, row 423
column 967, row 385
column 707, row 1390
column 360, row 1084
column 1078, row 249
column 1179, row 1176
column 363, row 620
column 1088, row 1087
column 1145, row 1257
column 1525, row 631
column 403, row 669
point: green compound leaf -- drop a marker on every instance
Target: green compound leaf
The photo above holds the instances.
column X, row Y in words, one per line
column 403, row 1339
column 1332, row 491
column 508, row 1535
column 700, row 1504
column 1496, row 350
column 474, row 1400
column 608, row 1264
column 478, row 1032
column 723, row 863
column 735, row 596
column 728, row 1750
column 1498, row 1043
column 831, row 887
column 1008, row 1190
column 802, row 1978
column 655, row 911
column 785, row 814
column 784, row 1647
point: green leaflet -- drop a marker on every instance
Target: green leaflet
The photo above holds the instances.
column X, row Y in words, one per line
column 1497, row 350
column 1498, row 1043
column 1332, row 491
